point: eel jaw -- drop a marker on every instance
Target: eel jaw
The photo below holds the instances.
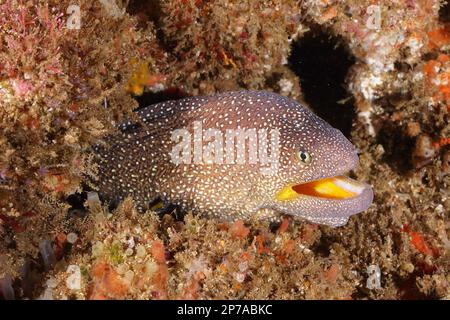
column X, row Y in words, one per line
column 333, row 188
column 329, row 201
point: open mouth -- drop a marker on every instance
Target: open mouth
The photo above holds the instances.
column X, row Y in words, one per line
column 338, row 188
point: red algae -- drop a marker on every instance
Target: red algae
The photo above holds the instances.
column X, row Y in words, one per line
column 106, row 282
column 238, row 230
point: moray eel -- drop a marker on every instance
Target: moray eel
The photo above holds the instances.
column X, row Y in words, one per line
column 236, row 155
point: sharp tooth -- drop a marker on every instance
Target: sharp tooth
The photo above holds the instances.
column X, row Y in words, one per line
column 325, row 188
column 339, row 187
column 349, row 185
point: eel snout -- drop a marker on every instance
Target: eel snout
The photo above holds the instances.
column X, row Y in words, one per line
column 325, row 199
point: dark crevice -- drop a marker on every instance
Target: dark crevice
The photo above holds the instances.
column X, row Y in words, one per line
column 322, row 248
column 149, row 12
column 149, row 98
column 396, row 146
column 145, row 11
column 444, row 12
column 322, row 62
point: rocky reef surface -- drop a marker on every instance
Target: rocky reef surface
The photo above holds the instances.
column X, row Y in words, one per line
column 70, row 71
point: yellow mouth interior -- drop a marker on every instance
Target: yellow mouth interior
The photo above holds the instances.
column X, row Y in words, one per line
column 339, row 187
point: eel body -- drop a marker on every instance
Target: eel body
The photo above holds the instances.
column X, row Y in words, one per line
column 235, row 155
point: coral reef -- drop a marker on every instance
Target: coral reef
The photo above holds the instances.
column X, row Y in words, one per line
column 62, row 89
column 136, row 256
column 246, row 46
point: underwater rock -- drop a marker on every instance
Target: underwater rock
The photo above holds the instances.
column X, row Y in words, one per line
column 6, row 289
column 47, row 253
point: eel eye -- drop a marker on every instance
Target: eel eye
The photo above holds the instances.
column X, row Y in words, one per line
column 304, row 157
